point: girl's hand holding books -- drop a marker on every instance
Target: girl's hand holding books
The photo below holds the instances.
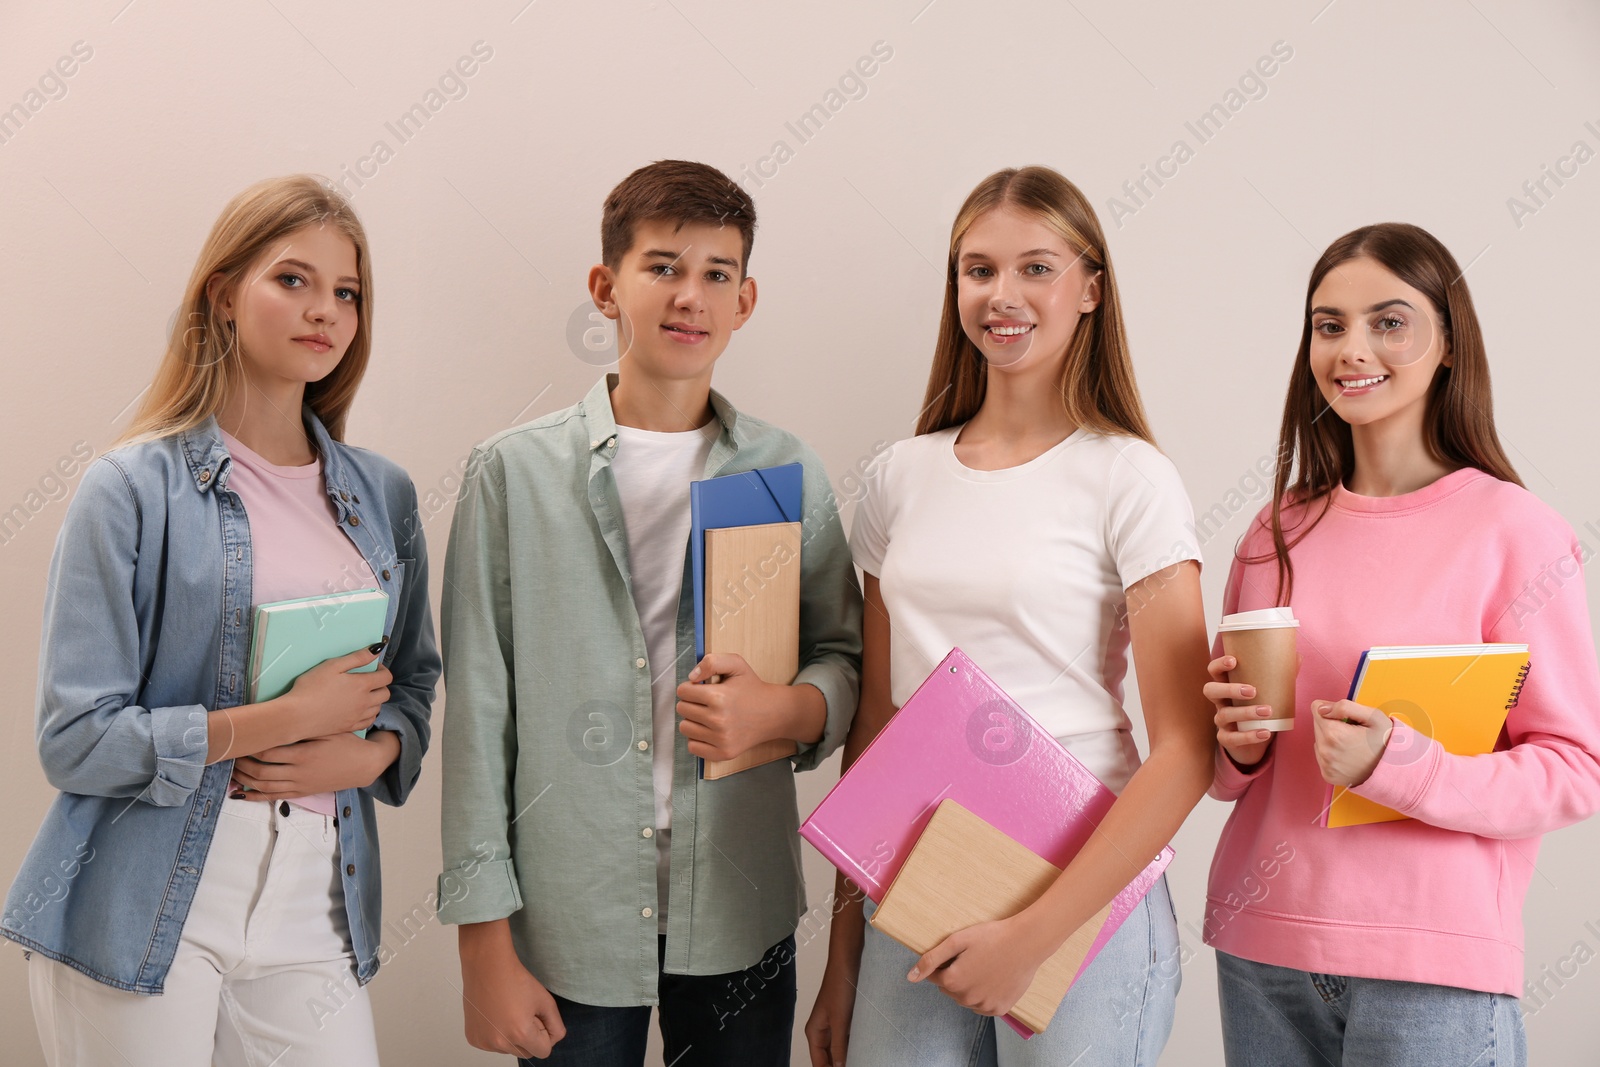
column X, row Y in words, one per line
column 1350, row 740
column 328, row 699
column 984, row 968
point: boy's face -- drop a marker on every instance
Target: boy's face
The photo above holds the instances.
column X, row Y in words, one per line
column 677, row 296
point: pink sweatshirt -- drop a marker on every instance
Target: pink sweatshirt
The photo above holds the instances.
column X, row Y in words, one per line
column 1437, row 898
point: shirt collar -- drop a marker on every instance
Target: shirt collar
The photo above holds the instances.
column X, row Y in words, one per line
column 208, row 457
column 601, row 421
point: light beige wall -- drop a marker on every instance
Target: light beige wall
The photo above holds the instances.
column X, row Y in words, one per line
column 484, row 224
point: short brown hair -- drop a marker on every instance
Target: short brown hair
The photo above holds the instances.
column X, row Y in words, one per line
column 677, row 191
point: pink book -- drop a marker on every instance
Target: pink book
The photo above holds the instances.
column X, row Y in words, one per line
column 960, row 736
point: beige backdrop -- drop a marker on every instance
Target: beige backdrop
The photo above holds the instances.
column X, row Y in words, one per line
column 483, row 206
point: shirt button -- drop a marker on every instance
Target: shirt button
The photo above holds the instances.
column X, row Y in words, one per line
column 344, row 496
column 611, row 443
column 205, row 476
column 647, row 913
column 355, row 520
column 647, row 832
column 643, row 745
column 594, row 444
column 350, row 868
column 283, row 807
column 386, row 574
column 347, row 811
column 639, row 662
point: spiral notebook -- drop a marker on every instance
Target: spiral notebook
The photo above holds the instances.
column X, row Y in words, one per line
column 1459, row 695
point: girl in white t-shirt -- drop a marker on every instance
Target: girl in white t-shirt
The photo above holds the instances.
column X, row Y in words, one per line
column 1032, row 523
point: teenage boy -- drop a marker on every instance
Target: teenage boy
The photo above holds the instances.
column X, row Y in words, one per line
column 593, row 874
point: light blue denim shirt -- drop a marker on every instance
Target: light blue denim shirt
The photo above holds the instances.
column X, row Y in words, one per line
column 146, row 629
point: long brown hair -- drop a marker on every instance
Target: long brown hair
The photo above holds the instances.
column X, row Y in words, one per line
column 202, row 364
column 1316, row 454
column 1097, row 385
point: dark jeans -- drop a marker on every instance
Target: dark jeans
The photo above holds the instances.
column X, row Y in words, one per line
column 739, row 1019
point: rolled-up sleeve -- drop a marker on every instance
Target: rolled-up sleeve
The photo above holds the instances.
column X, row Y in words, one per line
column 415, row 665
column 479, row 882
column 830, row 614
column 93, row 739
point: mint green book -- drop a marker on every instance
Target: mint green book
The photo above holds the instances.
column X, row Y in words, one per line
column 289, row 637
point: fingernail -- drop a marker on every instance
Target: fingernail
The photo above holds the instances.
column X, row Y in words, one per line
column 912, row 975
column 1248, row 691
column 375, row 649
column 236, row 795
column 1263, row 710
column 694, row 675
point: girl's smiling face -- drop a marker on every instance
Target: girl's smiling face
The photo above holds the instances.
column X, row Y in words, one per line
column 1020, row 290
column 1376, row 343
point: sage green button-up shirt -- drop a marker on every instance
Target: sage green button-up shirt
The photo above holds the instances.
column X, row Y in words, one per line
column 547, row 731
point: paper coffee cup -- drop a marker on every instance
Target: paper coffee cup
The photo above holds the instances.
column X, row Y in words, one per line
column 1263, row 644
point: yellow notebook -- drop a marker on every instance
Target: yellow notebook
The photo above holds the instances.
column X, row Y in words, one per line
column 962, row 872
column 753, row 608
column 1459, row 695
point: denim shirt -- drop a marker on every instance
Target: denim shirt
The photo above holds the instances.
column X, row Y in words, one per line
column 146, row 629
column 549, row 797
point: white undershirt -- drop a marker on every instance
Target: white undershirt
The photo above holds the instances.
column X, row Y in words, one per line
column 653, row 471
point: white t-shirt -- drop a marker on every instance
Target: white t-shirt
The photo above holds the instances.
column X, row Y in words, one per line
column 653, row 471
column 1025, row 570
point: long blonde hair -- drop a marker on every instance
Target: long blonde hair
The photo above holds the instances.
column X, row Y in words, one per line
column 203, row 364
column 1097, row 384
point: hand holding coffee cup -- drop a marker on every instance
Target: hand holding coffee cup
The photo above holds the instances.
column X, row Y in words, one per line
column 1252, row 684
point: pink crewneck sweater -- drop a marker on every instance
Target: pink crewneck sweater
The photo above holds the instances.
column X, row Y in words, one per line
column 1437, row 898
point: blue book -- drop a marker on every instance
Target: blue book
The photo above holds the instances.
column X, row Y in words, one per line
column 749, row 498
column 760, row 497
column 289, row 637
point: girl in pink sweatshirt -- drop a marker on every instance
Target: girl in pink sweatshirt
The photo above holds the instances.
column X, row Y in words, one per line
column 1396, row 519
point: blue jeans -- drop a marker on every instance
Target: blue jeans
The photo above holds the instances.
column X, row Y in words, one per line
column 1279, row 1017
column 1117, row 1014
column 707, row 1020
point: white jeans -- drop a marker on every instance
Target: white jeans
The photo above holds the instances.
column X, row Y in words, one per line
column 263, row 977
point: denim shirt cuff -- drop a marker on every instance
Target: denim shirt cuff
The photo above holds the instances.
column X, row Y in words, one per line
column 180, row 736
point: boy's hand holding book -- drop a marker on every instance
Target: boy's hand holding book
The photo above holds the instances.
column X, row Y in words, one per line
column 738, row 711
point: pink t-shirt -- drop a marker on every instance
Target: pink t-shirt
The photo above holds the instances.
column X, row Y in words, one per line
column 297, row 547
column 1437, row 898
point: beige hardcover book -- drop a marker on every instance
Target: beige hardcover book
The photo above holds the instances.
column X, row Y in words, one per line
column 753, row 608
column 962, row 872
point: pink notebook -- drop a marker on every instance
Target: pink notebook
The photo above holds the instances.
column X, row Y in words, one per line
column 960, row 736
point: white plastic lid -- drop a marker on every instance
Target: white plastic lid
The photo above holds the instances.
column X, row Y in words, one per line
column 1260, row 619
